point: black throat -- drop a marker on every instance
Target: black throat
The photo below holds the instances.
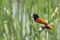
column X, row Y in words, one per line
column 35, row 16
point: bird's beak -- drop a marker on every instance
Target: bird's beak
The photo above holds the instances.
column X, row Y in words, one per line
column 32, row 15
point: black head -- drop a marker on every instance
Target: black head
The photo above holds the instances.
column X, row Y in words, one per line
column 35, row 16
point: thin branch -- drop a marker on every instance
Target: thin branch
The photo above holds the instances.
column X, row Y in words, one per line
column 34, row 34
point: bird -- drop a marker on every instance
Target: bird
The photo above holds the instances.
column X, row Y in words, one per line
column 42, row 21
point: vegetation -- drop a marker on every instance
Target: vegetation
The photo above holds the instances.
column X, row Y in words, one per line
column 16, row 21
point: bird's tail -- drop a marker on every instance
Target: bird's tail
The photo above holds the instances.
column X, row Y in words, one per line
column 49, row 27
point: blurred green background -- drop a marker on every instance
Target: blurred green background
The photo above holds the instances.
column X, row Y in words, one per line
column 16, row 21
